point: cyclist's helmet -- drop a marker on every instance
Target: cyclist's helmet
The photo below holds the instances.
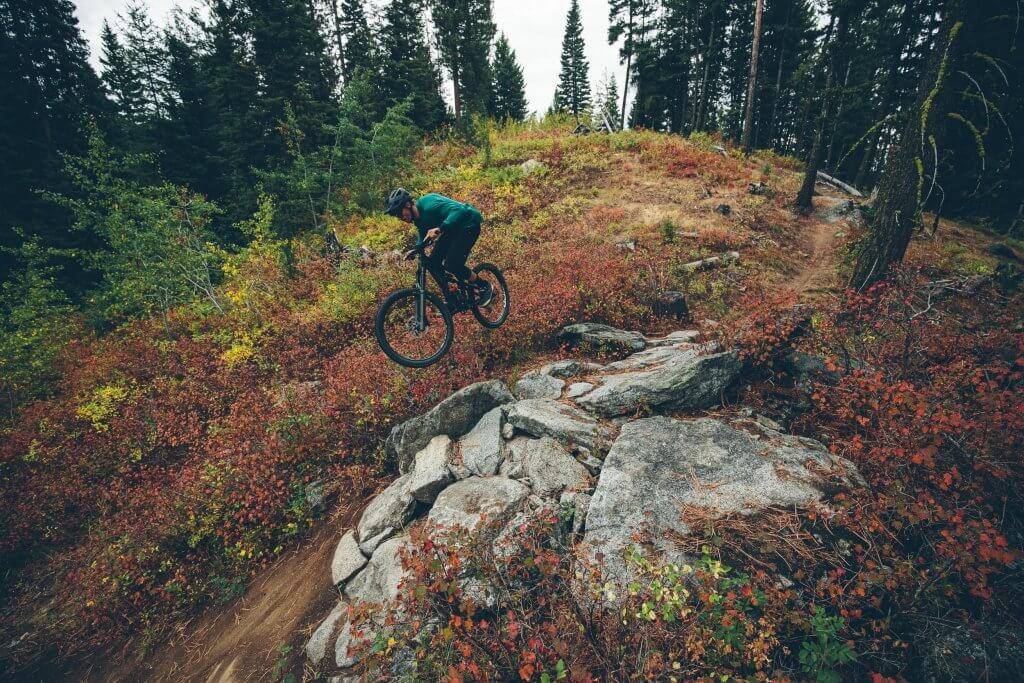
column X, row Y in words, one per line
column 396, row 200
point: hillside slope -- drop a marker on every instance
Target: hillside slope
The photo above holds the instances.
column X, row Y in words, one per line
column 192, row 454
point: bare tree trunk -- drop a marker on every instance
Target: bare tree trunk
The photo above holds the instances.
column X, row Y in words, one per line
column 457, row 95
column 629, row 60
column 748, row 120
column 804, row 198
column 338, row 39
column 897, row 210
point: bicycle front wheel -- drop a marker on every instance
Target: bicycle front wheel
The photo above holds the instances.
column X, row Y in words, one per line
column 410, row 337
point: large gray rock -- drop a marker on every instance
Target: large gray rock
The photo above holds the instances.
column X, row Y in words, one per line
column 379, row 582
column 316, row 647
column 546, row 464
column 659, row 466
column 348, row 559
column 453, row 416
column 482, row 449
column 538, row 384
column 602, row 336
column 564, row 423
column 386, row 514
column 465, row 504
column 683, row 382
column 431, row 472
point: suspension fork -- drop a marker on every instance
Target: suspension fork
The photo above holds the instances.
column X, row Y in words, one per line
column 421, row 299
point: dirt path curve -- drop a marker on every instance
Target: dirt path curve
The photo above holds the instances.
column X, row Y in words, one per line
column 818, row 273
column 243, row 641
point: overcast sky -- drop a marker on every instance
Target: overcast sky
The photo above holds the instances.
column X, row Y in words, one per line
column 534, row 29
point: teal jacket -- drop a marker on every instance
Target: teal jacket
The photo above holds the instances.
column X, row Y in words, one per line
column 438, row 211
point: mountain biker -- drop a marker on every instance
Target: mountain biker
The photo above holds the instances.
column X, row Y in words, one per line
column 452, row 225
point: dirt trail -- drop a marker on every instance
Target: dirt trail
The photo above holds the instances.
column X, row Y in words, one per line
column 243, row 641
column 819, row 271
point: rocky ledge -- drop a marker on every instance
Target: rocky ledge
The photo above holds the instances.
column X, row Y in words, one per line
column 570, row 436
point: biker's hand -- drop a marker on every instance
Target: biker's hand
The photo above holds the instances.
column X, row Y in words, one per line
column 433, row 233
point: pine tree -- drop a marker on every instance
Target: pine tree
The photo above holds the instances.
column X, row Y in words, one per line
column 410, row 73
column 291, row 60
column 189, row 135
column 463, row 33
column 356, row 44
column 233, row 86
column 508, row 97
column 625, row 21
column 122, row 82
column 145, row 56
column 573, row 93
column 48, row 91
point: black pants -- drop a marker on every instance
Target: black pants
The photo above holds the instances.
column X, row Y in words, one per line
column 452, row 249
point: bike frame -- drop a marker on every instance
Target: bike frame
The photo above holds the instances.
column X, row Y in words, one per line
column 421, row 285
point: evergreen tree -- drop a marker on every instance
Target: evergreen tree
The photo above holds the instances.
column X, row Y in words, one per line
column 145, row 56
column 626, row 19
column 47, row 92
column 573, row 93
column 188, row 136
column 233, row 86
column 356, row 44
column 463, row 33
column 409, row 73
column 291, row 61
column 122, row 82
column 508, row 98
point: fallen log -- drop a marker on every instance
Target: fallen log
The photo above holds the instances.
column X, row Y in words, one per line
column 711, row 261
column 848, row 189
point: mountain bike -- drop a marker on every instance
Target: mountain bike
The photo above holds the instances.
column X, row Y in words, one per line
column 415, row 327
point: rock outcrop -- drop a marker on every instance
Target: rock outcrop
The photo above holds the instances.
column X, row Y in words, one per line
column 484, row 459
column 453, row 416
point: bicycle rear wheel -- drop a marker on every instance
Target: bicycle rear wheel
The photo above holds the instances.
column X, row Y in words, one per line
column 408, row 340
column 495, row 312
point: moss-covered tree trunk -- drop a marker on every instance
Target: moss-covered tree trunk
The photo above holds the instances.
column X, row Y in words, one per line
column 901, row 186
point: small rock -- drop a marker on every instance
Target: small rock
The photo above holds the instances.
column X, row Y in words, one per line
column 466, row 503
column 757, row 188
column 578, row 389
column 531, row 166
column 671, row 304
column 316, row 647
column 628, row 245
column 600, row 336
column 565, row 423
column 565, row 369
column 388, row 512
column 768, row 423
column 348, row 559
column 538, row 385
column 431, row 471
column 507, row 431
column 453, row 416
column 546, row 464
column 482, row 448
column 723, row 209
